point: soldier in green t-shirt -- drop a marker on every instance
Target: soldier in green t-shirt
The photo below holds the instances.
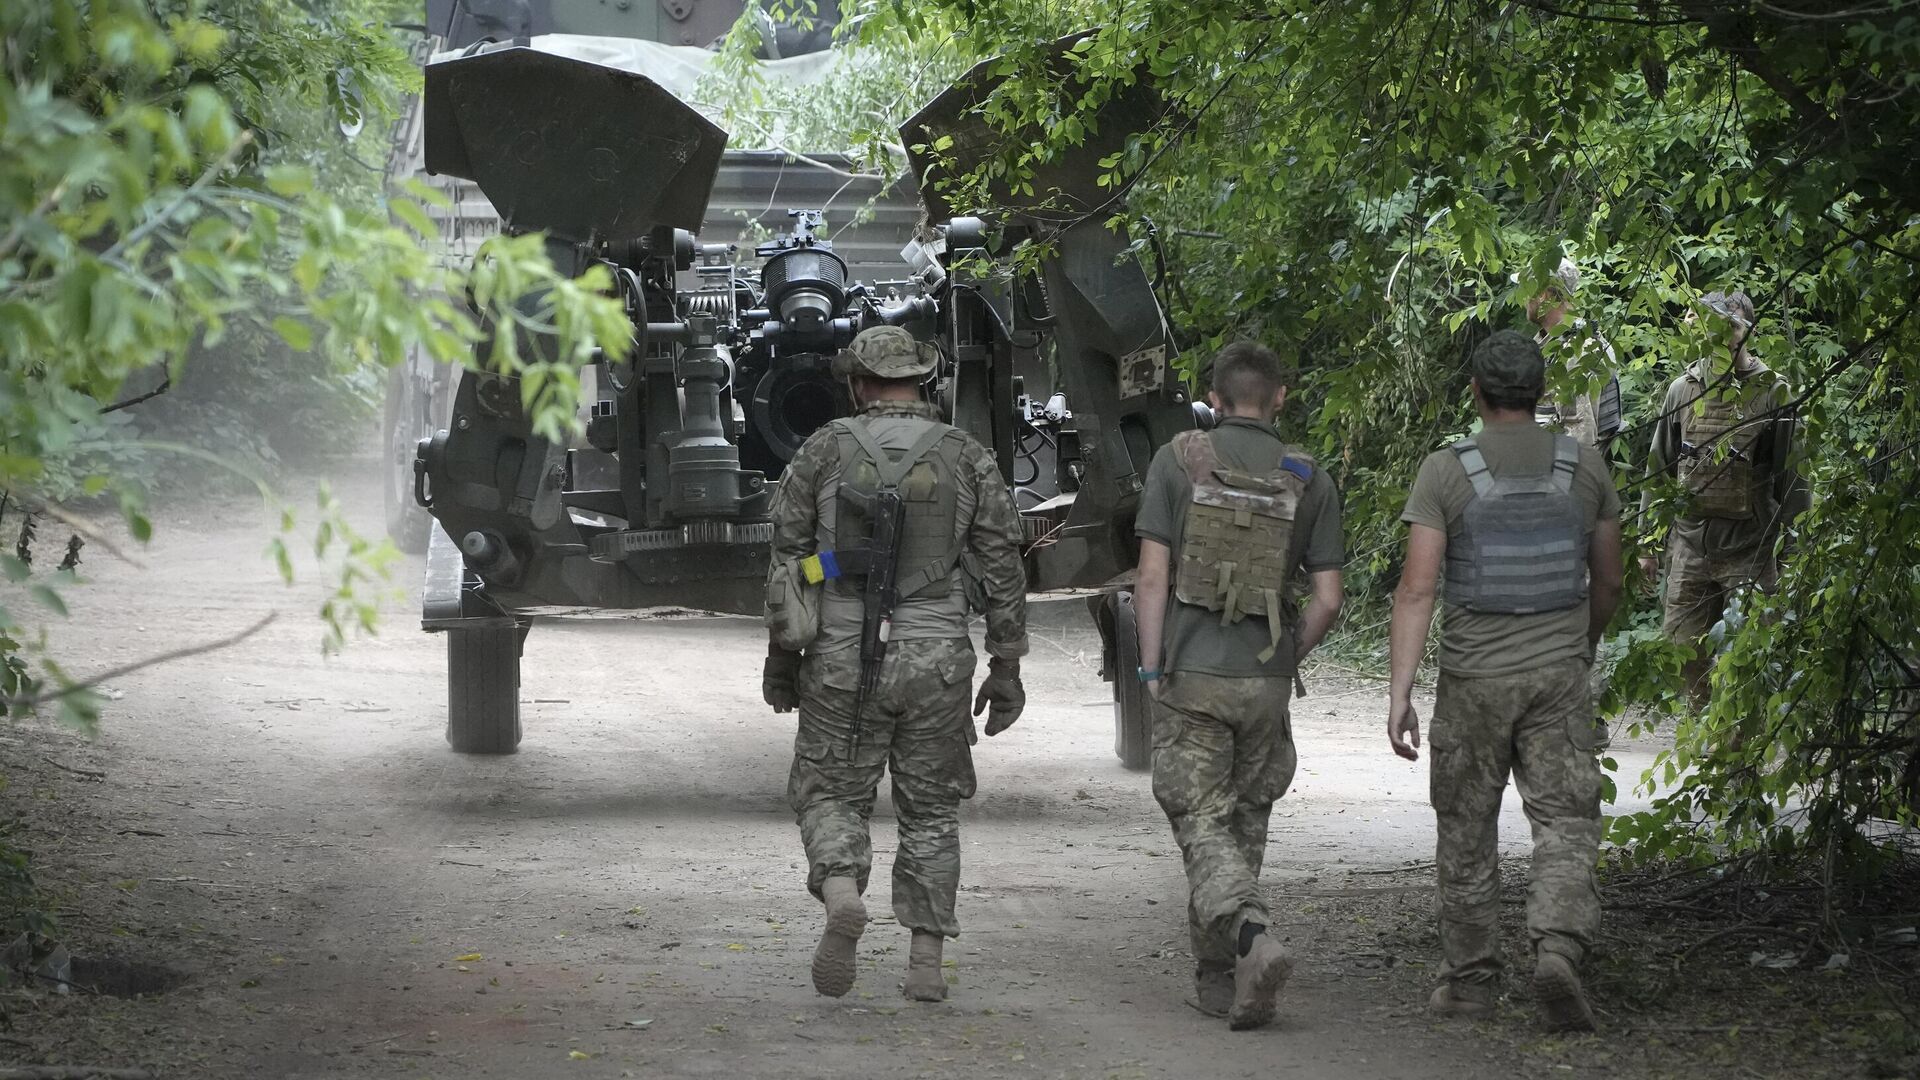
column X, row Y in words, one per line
column 1231, row 522
column 1526, row 524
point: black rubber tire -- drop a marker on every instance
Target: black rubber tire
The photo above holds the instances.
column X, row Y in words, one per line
column 483, row 690
column 408, row 523
column 1132, row 726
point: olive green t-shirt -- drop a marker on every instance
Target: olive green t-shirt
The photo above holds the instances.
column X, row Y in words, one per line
column 1478, row 643
column 1193, row 639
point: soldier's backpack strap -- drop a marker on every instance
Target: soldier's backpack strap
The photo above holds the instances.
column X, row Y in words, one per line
column 1566, row 462
column 1481, row 477
column 891, row 474
column 892, row 471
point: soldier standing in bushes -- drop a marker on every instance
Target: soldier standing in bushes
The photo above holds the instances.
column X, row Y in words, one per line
column 1574, row 344
column 1526, row 525
column 1724, row 433
column 1229, row 520
column 955, row 549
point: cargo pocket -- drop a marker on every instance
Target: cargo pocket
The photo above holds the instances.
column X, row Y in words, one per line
column 1278, row 763
column 829, row 693
column 1583, row 731
column 956, row 679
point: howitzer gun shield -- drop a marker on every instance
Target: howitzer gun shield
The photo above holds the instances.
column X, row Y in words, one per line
column 1066, row 185
column 577, row 149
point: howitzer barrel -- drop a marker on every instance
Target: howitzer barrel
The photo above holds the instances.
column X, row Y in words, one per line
column 580, row 150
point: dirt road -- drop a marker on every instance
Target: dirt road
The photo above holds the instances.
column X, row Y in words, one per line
column 625, row 896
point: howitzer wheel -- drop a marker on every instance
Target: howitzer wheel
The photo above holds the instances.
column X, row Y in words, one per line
column 483, row 689
column 1132, row 721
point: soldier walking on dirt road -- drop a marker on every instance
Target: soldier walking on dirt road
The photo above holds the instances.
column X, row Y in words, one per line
column 1526, row 524
column 1227, row 521
column 890, row 529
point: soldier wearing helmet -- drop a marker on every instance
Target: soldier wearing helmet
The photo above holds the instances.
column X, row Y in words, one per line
column 955, row 552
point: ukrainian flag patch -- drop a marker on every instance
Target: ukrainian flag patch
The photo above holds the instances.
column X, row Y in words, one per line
column 819, row 568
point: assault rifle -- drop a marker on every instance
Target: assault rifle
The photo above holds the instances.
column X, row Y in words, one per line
column 887, row 514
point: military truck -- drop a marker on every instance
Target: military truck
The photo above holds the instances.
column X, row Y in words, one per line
column 1063, row 369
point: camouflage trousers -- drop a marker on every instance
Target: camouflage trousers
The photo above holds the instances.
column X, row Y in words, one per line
column 1222, row 754
column 1537, row 725
column 915, row 725
column 1698, row 592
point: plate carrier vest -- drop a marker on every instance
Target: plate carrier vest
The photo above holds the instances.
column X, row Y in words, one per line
column 926, row 476
column 1716, row 450
column 1238, row 540
column 1523, row 543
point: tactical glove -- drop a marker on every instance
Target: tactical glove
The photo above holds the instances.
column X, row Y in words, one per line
column 1004, row 691
column 780, row 679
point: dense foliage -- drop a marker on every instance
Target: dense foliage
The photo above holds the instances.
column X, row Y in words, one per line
column 1369, row 186
column 161, row 201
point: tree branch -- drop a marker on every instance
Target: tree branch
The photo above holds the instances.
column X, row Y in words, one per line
column 165, row 385
column 1728, row 32
column 34, row 700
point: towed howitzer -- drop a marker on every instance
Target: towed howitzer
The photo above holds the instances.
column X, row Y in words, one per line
column 665, row 504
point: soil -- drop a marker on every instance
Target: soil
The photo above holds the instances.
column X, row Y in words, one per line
column 287, row 838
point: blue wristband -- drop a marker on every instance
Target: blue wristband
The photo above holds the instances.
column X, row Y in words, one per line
column 1147, row 674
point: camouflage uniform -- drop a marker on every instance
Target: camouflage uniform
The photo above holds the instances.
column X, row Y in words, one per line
column 918, row 727
column 1223, row 740
column 916, row 724
column 1514, row 698
column 1712, row 558
column 1539, row 726
column 1594, row 420
column 1222, row 756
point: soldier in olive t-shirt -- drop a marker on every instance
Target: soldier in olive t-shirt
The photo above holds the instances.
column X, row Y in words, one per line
column 1266, row 522
column 1476, row 644
column 1195, row 641
column 1531, row 561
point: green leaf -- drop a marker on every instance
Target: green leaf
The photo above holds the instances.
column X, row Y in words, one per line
column 50, row 599
column 289, row 181
column 297, row 335
column 415, row 217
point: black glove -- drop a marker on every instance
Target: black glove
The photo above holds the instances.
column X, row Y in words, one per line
column 780, row 679
column 1004, row 691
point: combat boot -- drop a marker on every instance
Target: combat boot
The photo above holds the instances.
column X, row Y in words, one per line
column 1212, row 991
column 1470, row 1000
column 1257, row 978
column 1556, row 986
column 924, row 980
column 833, row 960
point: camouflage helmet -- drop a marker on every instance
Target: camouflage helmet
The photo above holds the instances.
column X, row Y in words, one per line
column 886, row 352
